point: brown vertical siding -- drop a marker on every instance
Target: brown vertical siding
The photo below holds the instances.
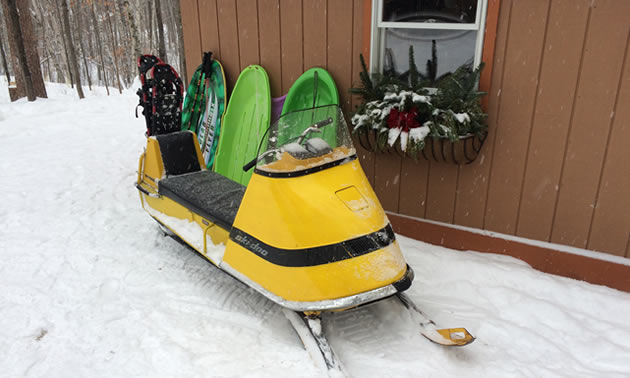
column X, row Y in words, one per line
column 414, row 180
column 441, row 192
column 520, row 83
column 291, row 42
column 550, row 126
column 269, row 42
column 361, row 22
column 228, row 39
column 339, row 52
column 489, row 40
column 192, row 37
column 248, row 32
column 555, row 164
column 595, row 99
column 315, row 29
column 473, row 181
column 388, row 176
column 387, row 180
column 209, row 29
column 610, row 229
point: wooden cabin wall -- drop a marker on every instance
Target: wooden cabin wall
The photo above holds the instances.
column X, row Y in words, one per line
column 556, row 164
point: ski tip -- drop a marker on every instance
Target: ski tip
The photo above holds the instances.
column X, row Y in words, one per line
column 452, row 337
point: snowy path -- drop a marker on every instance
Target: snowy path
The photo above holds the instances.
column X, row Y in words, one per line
column 90, row 287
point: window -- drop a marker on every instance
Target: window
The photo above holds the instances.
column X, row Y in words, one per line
column 445, row 34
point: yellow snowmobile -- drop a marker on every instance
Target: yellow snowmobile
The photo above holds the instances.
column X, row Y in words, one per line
column 308, row 232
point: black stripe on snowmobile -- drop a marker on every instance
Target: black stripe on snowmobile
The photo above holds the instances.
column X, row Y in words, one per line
column 324, row 254
column 306, row 171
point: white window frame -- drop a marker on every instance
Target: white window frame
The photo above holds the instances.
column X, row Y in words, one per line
column 377, row 53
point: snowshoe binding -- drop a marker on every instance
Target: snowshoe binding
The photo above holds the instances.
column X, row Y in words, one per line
column 161, row 95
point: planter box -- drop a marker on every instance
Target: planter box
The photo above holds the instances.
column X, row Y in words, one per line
column 463, row 151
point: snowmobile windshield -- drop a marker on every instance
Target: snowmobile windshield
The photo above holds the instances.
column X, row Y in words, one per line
column 305, row 141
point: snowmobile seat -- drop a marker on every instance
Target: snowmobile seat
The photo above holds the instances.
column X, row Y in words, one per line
column 209, row 194
column 179, row 154
column 206, row 193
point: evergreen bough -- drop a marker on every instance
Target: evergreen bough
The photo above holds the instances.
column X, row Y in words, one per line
column 401, row 110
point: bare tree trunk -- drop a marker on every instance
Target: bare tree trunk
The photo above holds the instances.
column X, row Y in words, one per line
column 59, row 71
column 64, row 43
column 29, row 43
column 86, row 67
column 124, row 38
column 114, row 55
column 99, row 45
column 13, row 22
column 48, row 59
column 150, row 24
column 61, row 75
column 30, row 46
column 90, row 46
column 160, row 26
column 124, row 22
column 133, row 29
column 5, row 66
column 72, row 54
column 121, row 51
column 77, row 16
column 41, row 26
column 51, row 39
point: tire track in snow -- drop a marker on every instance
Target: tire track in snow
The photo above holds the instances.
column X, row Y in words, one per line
column 227, row 293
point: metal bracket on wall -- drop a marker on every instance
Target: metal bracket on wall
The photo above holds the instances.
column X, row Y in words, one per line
column 462, row 151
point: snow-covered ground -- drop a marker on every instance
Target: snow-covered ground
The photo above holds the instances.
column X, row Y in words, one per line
column 89, row 286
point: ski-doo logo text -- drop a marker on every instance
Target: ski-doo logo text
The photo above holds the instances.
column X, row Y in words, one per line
column 252, row 245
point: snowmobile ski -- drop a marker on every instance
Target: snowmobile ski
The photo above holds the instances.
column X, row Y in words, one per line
column 309, row 328
column 428, row 328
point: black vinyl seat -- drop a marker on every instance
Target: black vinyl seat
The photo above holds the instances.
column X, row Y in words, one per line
column 206, row 193
column 178, row 152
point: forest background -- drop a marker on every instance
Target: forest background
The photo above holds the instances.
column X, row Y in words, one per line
column 85, row 42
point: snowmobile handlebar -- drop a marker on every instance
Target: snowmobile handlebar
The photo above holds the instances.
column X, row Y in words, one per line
column 255, row 160
column 250, row 165
column 325, row 122
column 313, row 128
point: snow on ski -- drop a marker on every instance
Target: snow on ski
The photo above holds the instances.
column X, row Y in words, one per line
column 428, row 328
column 309, row 329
